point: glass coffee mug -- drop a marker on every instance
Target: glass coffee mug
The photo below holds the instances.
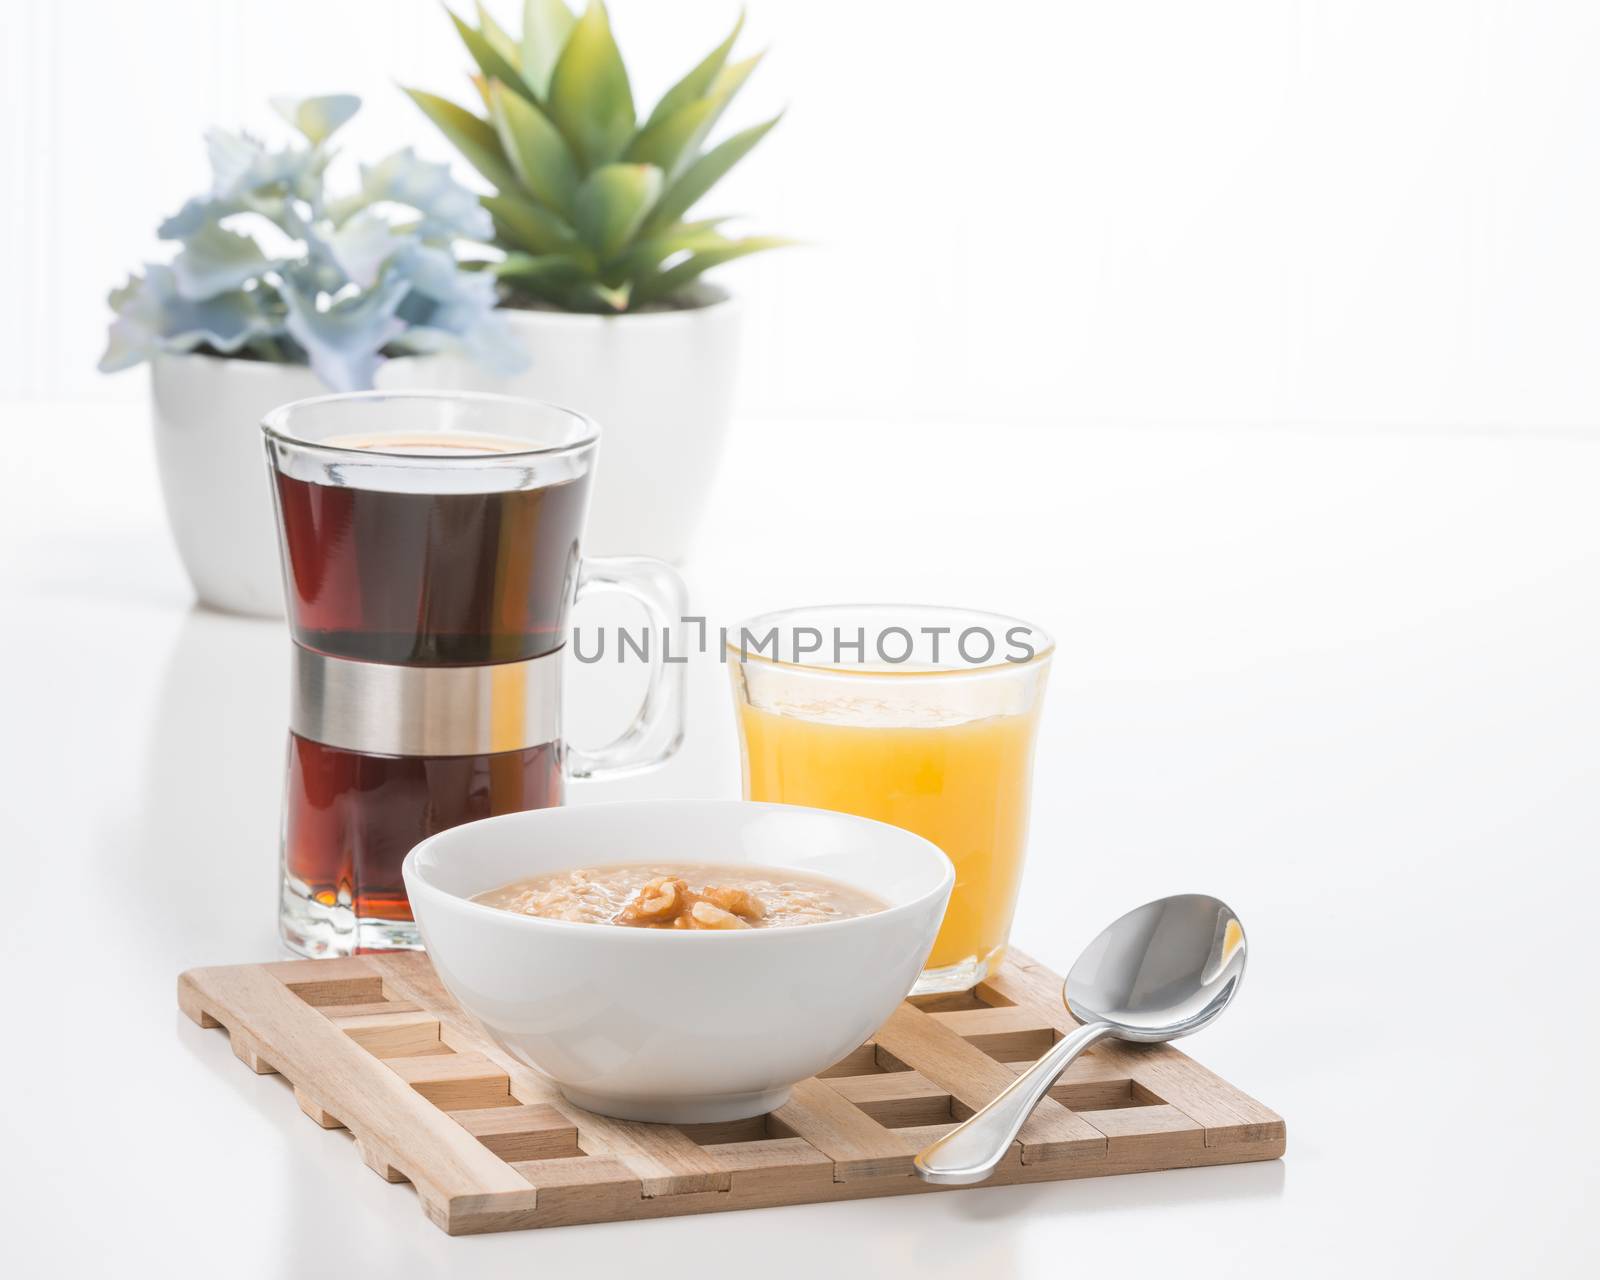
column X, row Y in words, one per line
column 919, row 716
column 430, row 545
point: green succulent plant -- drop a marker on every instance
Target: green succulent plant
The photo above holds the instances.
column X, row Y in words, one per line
column 590, row 202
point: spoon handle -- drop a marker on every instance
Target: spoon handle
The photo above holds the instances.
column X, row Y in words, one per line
column 970, row 1151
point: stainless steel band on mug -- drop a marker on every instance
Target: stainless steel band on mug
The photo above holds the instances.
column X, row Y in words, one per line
column 379, row 709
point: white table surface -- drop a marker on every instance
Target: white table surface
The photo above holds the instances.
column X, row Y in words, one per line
column 1349, row 682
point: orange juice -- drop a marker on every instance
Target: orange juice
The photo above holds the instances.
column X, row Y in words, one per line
column 961, row 783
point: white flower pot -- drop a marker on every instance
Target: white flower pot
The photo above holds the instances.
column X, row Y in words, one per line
column 661, row 386
column 208, row 413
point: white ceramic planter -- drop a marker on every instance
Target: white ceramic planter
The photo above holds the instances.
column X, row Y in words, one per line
column 208, row 413
column 661, row 386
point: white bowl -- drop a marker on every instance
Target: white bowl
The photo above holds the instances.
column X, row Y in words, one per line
column 678, row 1027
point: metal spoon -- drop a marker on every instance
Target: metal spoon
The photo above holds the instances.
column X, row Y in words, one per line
column 1162, row 971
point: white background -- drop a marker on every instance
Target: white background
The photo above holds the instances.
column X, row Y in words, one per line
column 1365, row 212
column 1249, row 347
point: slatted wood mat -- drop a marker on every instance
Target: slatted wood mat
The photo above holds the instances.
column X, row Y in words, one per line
column 373, row 1044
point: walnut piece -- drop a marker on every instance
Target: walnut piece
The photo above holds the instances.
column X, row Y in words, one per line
column 669, row 903
column 659, row 903
column 703, row 915
column 741, row 902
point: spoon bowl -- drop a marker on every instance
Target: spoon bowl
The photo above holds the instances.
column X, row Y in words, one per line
column 1161, row 971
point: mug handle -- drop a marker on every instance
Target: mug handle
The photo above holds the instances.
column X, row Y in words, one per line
column 657, row 731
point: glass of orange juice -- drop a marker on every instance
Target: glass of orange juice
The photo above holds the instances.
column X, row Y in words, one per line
column 916, row 715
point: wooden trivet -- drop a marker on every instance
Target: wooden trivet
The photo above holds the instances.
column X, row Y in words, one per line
column 375, row 1045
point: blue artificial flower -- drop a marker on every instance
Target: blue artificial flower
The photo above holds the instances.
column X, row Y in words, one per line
column 449, row 210
column 214, row 260
column 361, row 246
column 153, row 316
column 451, row 309
column 340, row 283
column 241, row 165
column 344, row 339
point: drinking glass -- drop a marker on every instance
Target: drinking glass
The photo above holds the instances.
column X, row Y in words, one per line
column 919, row 716
column 430, row 546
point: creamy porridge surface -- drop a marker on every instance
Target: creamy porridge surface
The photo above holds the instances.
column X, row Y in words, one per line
column 683, row 896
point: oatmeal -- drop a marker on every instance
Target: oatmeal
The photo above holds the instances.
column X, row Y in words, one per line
column 687, row 896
